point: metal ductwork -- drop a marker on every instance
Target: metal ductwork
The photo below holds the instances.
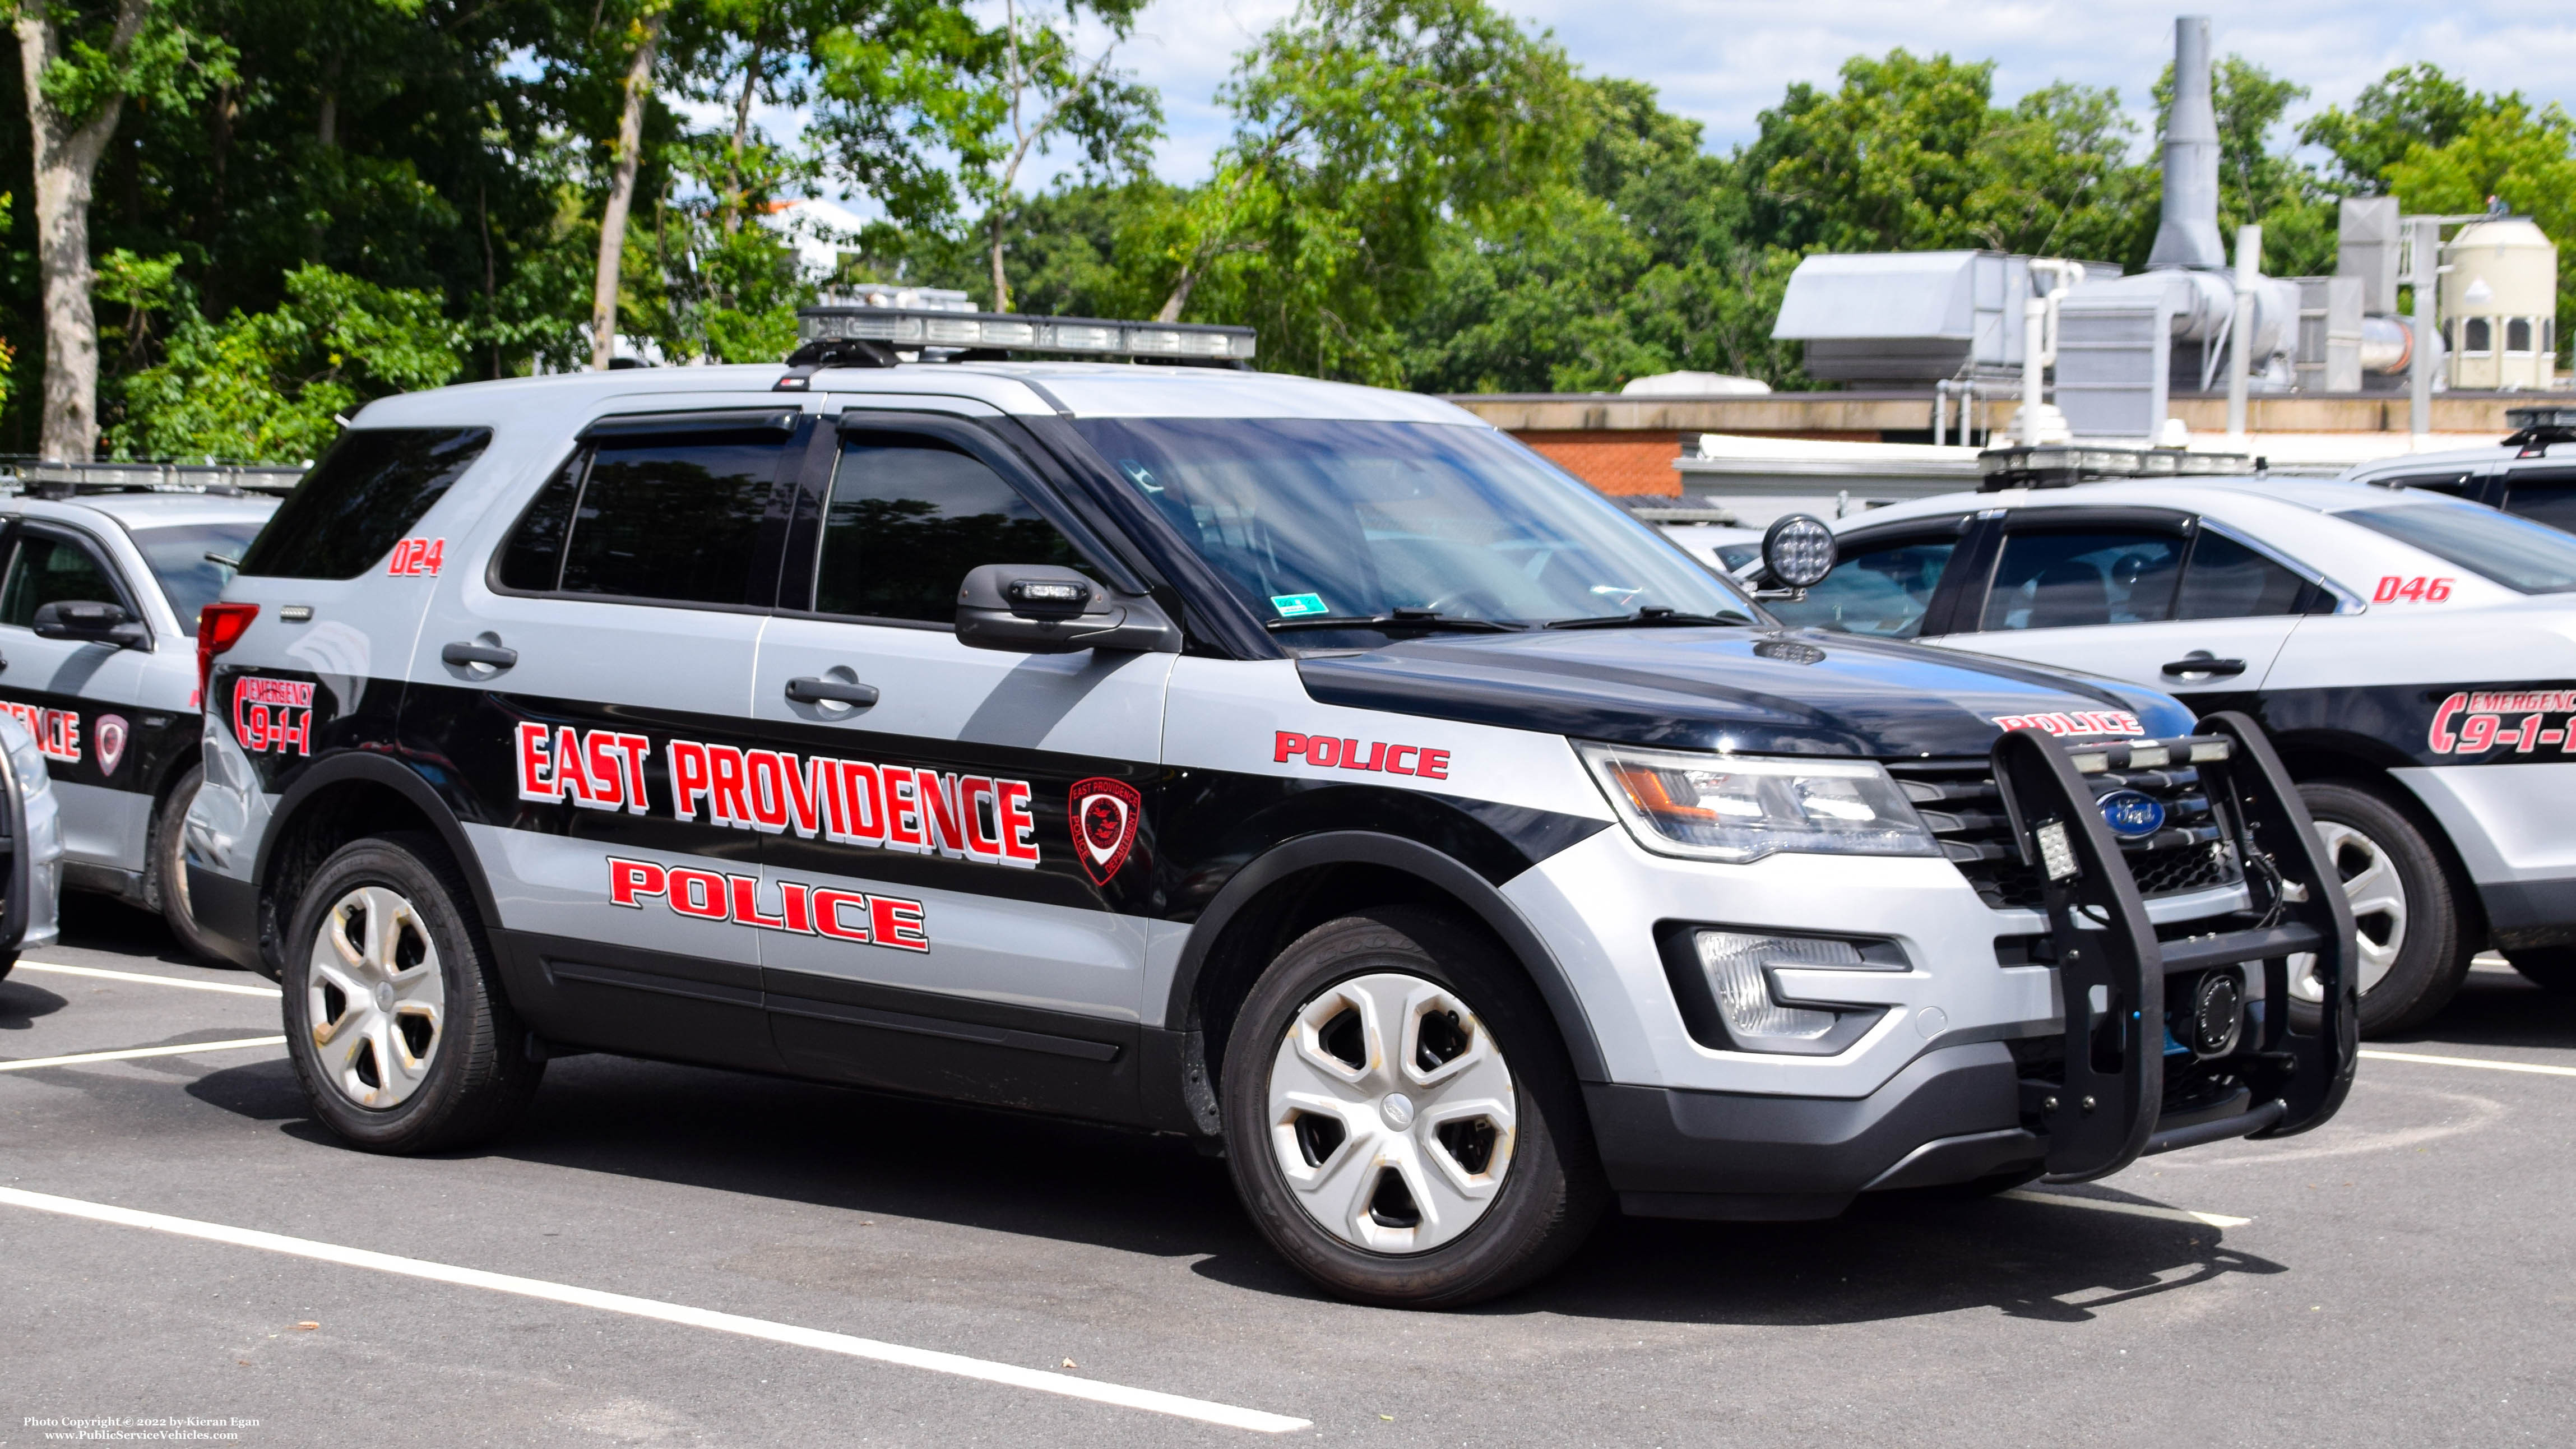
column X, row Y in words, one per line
column 2187, row 236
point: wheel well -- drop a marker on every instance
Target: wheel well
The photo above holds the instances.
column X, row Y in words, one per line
column 324, row 821
column 1283, row 911
column 2326, row 766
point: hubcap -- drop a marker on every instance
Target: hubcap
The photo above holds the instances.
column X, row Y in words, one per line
column 1391, row 1113
column 2378, row 898
column 374, row 997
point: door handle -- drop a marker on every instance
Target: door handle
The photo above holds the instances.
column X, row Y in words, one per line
column 810, row 690
column 2203, row 664
column 462, row 653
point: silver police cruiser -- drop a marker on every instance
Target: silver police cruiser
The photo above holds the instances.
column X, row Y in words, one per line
column 1307, row 770
column 2411, row 655
column 98, row 660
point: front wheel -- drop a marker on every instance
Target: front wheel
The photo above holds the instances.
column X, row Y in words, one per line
column 2411, row 957
column 1401, row 1120
column 395, row 1017
column 165, row 875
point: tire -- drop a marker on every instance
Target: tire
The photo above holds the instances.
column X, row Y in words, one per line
column 390, row 900
column 2551, row 968
column 2412, row 957
column 1499, row 1144
column 165, row 871
column 8, row 963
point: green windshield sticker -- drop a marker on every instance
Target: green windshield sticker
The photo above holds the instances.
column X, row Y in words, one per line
column 1292, row 606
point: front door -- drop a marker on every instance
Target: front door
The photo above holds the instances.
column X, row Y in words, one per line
column 956, row 840
column 77, row 699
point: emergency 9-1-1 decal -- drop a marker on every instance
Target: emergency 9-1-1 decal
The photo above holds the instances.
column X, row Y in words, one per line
column 981, row 818
column 2474, row 722
column 857, row 917
column 273, row 714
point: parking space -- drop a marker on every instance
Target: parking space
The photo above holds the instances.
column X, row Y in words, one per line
column 2402, row 1274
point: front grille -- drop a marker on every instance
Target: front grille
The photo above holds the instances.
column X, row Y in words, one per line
column 1958, row 800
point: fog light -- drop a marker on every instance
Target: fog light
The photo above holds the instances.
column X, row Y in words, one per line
column 1734, row 962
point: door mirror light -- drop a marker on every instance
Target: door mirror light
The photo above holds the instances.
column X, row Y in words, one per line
column 1051, row 609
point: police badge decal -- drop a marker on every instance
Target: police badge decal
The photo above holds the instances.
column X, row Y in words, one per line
column 1103, row 815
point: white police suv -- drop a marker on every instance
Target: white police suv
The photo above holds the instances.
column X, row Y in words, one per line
column 1301, row 768
column 2412, row 656
column 2531, row 473
column 99, row 595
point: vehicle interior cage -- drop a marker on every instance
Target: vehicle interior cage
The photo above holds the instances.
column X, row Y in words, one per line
column 2172, row 1040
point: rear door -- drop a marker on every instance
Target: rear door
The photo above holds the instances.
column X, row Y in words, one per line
column 619, row 618
column 2138, row 594
column 77, row 699
column 956, row 847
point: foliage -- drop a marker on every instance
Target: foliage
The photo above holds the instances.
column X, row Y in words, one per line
column 2523, row 158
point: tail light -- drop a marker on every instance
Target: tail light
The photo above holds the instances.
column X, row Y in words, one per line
column 219, row 627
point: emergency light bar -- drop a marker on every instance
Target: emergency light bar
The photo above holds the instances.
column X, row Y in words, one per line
column 2535, row 428
column 920, row 327
column 2060, row 465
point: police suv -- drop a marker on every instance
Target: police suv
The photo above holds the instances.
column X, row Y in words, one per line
column 2531, row 473
column 1304, row 769
column 99, row 596
column 2412, row 656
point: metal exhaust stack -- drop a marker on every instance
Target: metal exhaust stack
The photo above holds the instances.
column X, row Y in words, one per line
column 2187, row 235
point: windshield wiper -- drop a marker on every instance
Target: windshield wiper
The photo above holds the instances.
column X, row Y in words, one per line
column 1650, row 617
column 1399, row 619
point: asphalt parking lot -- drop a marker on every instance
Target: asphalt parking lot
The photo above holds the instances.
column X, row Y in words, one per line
column 672, row 1256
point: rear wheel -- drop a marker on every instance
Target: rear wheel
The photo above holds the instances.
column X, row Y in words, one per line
column 395, row 1018
column 2551, row 968
column 2411, row 957
column 1402, row 1122
column 165, row 872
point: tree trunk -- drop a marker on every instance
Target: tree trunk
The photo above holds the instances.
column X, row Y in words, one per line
column 621, row 196
column 735, row 197
column 1001, row 279
column 66, row 167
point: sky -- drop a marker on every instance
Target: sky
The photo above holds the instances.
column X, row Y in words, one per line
column 1721, row 62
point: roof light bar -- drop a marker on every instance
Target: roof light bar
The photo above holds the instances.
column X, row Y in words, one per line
column 916, row 327
column 2060, row 465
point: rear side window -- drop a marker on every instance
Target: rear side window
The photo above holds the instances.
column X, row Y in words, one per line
column 676, row 519
column 909, row 517
column 360, row 500
column 2527, row 557
column 2073, row 580
column 2454, row 482
column 2227, row 580
column 2547, row 494
column 52, row 571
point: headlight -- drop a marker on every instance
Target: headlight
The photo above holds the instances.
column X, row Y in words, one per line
column 1738, row 808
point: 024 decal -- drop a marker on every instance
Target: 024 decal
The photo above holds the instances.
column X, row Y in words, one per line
column 1104, row 814
column 417, row 557
column 858, row 917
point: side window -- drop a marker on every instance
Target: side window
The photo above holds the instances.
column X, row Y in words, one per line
column 2071, row 580
column 664, row 518
column 1880, row 590
column 2544, row 495
column 359, row 501
column 51, row 570
column 909, row 517
column 2227, row 580
column 2453, row 482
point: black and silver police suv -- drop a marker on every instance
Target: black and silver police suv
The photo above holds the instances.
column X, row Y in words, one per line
column 1302, row 768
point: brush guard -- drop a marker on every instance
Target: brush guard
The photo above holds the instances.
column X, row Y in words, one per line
column 2112, row 969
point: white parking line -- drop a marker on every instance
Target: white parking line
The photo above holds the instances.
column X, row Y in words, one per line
column 2492, row 1066
column 1040, row 1380
column 183, row 1049
column 2133, row 1209
column 236, row 988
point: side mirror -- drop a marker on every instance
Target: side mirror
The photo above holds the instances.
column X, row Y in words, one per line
column 1797, row 553
column 89, row 622
column 1050, row 609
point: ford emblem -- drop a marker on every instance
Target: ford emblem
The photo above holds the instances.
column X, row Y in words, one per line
column 2132, row 815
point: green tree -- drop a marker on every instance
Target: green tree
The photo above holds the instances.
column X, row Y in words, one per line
column 2410, row 106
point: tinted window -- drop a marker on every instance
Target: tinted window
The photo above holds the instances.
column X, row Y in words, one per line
column 51, row 571
column 2227, row 580
column 659, row 518
column 2524, row 556
column 1881, row 591
column 359, row 501
column 2071, row 580
column 908, row 518
column 2454, row 482
column 177, row 554
column 2547, row 494
column 533, row 558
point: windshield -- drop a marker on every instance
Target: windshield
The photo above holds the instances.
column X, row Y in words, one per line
column 177, row 553
column 1405, row 524
column 2527, row 557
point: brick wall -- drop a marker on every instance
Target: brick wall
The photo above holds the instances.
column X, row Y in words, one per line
column 1614, row 462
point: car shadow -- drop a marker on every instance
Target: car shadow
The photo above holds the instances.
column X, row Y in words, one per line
column 2499, row 1009
column 103, row 923
column 21, row 1003
column 1897, row 1256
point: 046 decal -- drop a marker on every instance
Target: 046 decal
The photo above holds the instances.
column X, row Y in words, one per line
column 981, row 818
column 806, row 910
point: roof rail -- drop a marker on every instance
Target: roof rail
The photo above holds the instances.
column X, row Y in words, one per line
column 53, row 478
column 959, row 335
column 2062, row 465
